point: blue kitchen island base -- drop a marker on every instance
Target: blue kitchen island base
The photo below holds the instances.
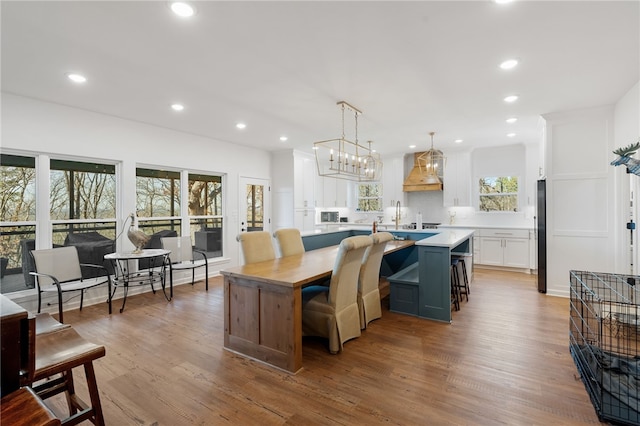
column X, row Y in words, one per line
column 424, row 288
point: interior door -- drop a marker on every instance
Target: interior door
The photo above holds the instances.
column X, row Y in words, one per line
column 254, row 205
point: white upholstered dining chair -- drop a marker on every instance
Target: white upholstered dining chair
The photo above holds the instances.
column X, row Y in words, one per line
column 369, row 279
column 290, row 241
column 332, row 312
column 256, row 246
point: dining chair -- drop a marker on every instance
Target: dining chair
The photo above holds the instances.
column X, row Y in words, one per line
column 58, row 270
column 369, row 279
column 256, row 246
column 289, row 241
column 182, row 258
column 332, row 312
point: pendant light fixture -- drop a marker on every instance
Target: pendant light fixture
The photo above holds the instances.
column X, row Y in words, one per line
column 431, row 164
column 342, row 158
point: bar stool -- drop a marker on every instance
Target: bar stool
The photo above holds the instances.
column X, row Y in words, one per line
column 57, row 353
column 464, row 285
column 455, row 284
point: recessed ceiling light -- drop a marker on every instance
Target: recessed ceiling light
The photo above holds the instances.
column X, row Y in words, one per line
column 283, row 138
column 177, row 107
column 510, row 135
column 511, row 120
column 458, row 141
column 508, row 64
column 76, row 78
column 315, row 147
column 412, row 146
column 241, row 125
column 182, row 9
column 502, row 1
column 511, row 98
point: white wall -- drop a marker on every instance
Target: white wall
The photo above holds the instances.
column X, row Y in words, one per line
column 30, row 126
column 582, row 200
column 627, row 131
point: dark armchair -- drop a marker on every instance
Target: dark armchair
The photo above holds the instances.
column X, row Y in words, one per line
column 155, row 243
column 92, row 247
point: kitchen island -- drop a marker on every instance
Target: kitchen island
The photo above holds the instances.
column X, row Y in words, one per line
column 424, row 288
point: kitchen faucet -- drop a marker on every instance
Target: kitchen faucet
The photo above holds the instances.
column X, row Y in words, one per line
column 397, row 220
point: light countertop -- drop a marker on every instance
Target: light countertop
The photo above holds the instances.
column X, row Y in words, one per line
column 486, row 227
column 446, row 237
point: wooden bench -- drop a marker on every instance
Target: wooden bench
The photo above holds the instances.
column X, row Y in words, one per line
column 404, row 290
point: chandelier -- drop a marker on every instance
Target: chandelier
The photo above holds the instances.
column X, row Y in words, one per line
column 431, row 164
column 345, row 159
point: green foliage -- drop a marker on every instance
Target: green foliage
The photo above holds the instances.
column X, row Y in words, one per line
column 498, row 193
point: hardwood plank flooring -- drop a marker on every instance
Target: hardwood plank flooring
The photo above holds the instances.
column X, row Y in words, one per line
column 503, row 361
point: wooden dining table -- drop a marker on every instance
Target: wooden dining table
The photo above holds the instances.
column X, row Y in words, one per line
column 263, row 304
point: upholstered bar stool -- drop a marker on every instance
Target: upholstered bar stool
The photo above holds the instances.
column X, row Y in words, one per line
column 57, row 353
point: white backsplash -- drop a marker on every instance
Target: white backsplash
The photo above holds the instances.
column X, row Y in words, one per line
column 429, row 205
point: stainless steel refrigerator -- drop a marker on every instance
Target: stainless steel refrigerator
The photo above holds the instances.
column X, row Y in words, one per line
column 541, row 233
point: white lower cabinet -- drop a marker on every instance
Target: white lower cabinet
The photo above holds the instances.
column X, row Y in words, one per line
column 504, row 247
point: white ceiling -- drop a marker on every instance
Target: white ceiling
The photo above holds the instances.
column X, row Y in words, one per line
column 411, row 67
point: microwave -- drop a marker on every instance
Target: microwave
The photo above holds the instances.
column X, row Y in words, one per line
column 329, row 217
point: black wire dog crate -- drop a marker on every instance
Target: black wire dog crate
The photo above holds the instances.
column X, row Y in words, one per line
column 605, row 343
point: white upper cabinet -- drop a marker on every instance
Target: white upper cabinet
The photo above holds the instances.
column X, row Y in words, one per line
column 304, row 170
column 392, row 180
column 457, row 179
column 335, row 192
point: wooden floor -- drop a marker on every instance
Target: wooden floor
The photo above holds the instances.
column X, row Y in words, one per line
column 503, row 361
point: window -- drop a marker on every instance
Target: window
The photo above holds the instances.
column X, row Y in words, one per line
column 82, row 199
column 255, row 207
column 158, row 200
column 17, row 219
column 498, row 194
column 205, row 213
column 370, row 197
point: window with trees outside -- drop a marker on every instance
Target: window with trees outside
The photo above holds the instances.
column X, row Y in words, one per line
column 205, row 213
column 369, row 197
column 17, row 218
column 82, row 198
column 498, row 194
column 158, row 200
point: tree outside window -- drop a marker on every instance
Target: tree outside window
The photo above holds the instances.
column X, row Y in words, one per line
column 498, row 194
column 158, row 200
column 205, row 213
column 17, row 218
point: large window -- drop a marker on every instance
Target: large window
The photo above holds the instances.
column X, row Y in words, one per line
column 370, row 197
column 158, row 200
column 82, row 200
column 17, row 219
column 498, row 194
column 205, row 213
